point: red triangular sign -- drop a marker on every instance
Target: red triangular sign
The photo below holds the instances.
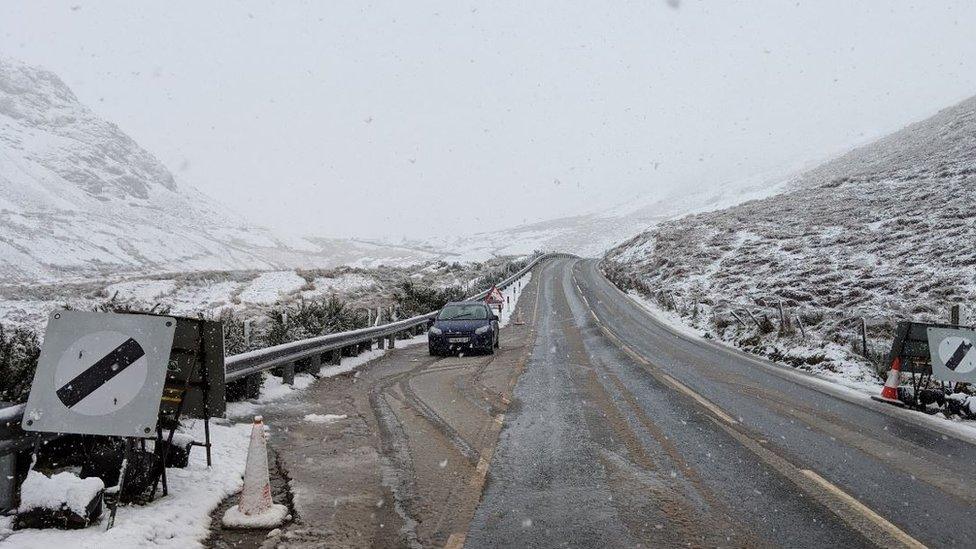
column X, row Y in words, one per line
column 494, row 296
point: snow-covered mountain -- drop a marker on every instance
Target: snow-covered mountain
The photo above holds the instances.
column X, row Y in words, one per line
column 884, row 232
column 79, row 197
column 591, row 235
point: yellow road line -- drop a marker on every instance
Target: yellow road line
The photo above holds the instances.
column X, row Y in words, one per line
column 864, row 511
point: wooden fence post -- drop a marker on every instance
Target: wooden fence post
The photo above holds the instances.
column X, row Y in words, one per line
column 738, row 319
column 864, row 337
column 754, row 319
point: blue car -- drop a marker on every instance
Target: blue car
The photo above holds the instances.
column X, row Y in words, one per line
column 461, row 326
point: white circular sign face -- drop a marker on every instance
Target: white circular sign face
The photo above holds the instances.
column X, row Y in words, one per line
column 100, row 373
column 958, row 354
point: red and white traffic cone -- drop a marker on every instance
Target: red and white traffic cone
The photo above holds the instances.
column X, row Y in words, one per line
column 255, row 509
column 889, row 393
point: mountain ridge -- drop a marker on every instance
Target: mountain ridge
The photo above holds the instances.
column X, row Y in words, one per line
column 79, row 197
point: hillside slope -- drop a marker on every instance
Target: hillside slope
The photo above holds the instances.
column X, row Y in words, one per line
column 78, row 197
column 884, row 232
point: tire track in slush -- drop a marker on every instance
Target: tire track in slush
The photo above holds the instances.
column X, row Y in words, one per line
column 395, row 439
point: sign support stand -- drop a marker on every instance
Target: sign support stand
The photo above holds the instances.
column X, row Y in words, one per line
column 129, row 443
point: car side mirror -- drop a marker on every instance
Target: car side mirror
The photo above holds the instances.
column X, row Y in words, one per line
column 430, row 322
column 494, row 317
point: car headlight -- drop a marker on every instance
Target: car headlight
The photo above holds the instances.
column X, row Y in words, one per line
column 483, row 330
column 436, row 331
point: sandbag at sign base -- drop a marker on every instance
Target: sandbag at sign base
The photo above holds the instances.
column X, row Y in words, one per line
column 62, row 501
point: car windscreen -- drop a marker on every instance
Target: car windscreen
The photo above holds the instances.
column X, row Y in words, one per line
column 463, row 312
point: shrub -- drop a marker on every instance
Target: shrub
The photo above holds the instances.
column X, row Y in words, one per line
column 310, row 319
column 413, row 300
column 19, row 350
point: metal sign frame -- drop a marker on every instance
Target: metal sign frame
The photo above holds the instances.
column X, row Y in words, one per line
column 100, row 374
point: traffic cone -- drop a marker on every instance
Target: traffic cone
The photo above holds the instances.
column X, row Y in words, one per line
column 518, row 317
column 255, row 509
column 889, row 393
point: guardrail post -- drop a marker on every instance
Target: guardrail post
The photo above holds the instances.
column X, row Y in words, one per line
column 393, row 341
column 335, row 358
column 381, row 343
column 8, row 481
column 315, row 364
column 288, row 373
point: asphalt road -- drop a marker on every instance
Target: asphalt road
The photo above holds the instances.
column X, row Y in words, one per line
column 403, row 460
column 622, row 433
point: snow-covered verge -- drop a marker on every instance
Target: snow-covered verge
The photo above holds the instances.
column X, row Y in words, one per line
column 179, row 520
column 849, row 383
column 881, row 234
column 847, row 373
column 183, row 518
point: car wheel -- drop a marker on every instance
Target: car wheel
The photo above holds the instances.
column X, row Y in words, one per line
column 433, row 352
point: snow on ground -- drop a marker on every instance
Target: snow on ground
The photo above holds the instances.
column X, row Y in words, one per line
column 849, row 374
column 346, row 283
column 850, row 379
column 191, row 300
column 179, row 520
column 275, row 389
column 324, row 418
column 147, row 290
column 349, row 364
column 268, row 287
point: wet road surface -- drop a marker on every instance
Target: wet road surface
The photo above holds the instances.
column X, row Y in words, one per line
column 622, row 433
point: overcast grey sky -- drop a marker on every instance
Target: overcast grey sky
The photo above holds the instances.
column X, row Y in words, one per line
column 393, row 118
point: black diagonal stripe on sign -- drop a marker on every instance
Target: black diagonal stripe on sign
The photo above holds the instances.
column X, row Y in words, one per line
column 105, row 369
column 957, row 356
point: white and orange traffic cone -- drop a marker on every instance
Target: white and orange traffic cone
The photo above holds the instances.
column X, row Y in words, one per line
column 889, row 393
column 255, row 509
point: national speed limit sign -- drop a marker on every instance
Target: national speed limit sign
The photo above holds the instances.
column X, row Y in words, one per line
column 100, row 374
column 953, row 353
